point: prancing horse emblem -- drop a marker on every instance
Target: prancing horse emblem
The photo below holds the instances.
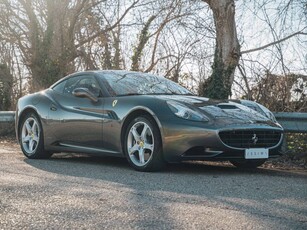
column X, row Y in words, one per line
column 254, row 139
column 114, row 103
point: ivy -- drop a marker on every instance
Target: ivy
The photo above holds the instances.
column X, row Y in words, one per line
column 6, row 84
column 142, row 40
column 46, row 68
column 218, row 86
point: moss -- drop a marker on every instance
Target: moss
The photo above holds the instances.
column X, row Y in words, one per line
column 6, row 84
column 142, row 40
column 47, row 68
column 218, row 86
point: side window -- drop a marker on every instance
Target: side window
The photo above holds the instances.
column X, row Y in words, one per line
column 71, row 84
column 59, row 87
column 88, row 82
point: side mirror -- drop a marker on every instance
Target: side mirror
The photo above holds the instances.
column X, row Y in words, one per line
column 84, row 92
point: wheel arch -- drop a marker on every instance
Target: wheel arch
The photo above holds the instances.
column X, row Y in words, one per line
column 22, row 115
column 139, row 111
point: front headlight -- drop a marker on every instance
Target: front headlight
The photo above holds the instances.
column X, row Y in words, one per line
column 182, row 111
column 268, row 113
column 259, row 108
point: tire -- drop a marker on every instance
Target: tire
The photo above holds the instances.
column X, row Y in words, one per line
column 247, row 164
column 31, row 137
column 143, row 145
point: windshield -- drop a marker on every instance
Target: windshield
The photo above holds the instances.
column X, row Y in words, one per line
column 132, row 83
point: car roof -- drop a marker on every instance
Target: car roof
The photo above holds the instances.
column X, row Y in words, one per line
column 120, row 72
column 111, row 71
column 116, row 72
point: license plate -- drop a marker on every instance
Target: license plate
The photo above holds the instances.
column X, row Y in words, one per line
column 256, row 153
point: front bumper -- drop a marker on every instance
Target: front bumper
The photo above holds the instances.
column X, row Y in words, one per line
column 195, row 141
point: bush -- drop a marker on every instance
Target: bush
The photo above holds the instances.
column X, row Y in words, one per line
column 296, row 145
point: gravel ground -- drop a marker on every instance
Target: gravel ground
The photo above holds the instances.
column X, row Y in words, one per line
column 71, row 191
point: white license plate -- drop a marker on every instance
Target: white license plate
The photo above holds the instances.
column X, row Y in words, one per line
column 256, row 153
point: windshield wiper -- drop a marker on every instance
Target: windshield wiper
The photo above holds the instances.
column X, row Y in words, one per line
column 184, row 94
column 188, row 94
column 128, row 94
column 133, row 94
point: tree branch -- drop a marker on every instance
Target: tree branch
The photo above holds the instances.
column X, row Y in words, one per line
column 90, row 38
column 273, row 43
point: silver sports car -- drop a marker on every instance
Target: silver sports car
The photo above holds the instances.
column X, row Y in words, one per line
column 145, row 118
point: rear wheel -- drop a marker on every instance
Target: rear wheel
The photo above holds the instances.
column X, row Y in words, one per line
column 143, row 147
column 31, row 137
column 247, row 163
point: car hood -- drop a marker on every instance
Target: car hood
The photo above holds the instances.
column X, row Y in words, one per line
column 225, row 111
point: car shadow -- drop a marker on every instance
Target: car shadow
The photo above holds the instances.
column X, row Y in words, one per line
column 121, row 164
column 212, row 185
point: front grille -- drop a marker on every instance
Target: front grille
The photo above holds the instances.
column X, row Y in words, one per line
column 250, row 138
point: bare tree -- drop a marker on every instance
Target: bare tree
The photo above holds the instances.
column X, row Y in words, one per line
column 191, row 42
column 228, row 51
column 282, row 92
column 51, row 34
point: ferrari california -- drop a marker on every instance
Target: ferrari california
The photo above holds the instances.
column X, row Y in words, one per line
column 150, row 120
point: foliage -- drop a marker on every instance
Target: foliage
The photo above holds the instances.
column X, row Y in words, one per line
column 49, row 39
column 282, row 93
column 218, row 85
column 45, row 69
column 296, row 145
column 6, row 82
column 142, row 40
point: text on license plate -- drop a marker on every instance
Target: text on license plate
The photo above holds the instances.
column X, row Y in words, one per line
column 259, row 153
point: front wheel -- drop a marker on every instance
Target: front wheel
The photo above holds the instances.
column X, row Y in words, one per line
column 143, row 147
column 31, row 137
column 247, row 164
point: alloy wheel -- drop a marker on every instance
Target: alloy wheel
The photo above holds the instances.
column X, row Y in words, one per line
column 30, row 135
column 140, row 143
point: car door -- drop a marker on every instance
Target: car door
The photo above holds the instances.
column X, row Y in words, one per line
column 77, row 121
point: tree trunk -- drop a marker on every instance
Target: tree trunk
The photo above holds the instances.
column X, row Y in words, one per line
column 227, row 51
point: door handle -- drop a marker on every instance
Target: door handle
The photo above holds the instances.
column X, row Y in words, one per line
column 53, row 107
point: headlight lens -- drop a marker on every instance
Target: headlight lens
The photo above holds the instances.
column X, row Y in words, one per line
column 267, row 112
column 271, row 116
column 185, row 112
